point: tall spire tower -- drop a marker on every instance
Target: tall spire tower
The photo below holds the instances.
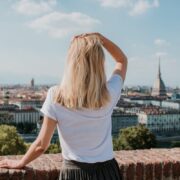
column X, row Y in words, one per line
column 159, row 70
column 32, row 83
column 159, row 88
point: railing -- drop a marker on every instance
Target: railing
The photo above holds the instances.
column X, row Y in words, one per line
column 149, row 164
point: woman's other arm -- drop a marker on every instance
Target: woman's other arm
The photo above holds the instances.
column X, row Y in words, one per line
column 37, row 148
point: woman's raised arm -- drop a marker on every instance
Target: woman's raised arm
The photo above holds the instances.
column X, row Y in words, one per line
column 115, row 51
column 117, row 54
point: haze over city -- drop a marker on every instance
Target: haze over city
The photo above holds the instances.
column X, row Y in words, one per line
column 35, row 36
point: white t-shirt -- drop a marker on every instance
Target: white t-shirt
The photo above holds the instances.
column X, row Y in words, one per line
column 85, row 135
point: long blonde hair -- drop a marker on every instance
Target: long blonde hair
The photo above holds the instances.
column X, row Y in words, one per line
column 84, row 80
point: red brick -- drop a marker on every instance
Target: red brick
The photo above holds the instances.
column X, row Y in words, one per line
column 139, row 171
column 122, row 170
column 167, row 169
column 54, row 174
column 176, row 169
column 29, row 173
column 15, row 174
column 4, row 173
column 147, row 164
column 41, row 174
column 158, row 171
column 130, row 172
column 149, row 171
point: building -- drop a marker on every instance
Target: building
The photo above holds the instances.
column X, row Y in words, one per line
column 32, row 83
column 15, row 115
column 171, row 104
column 159, row 88
column 160, row 121
column 24, row 103
column 8, row 107
column 176, row 95
column 122, row 120
column 6, row 96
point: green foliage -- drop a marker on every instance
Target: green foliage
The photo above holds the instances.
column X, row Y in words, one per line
column 24, row 127
column 11, row 143
column 134, row 137
column 175, row 144
column 52, row 149
column 27, row 145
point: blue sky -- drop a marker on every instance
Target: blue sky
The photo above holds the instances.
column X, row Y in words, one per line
column 35, row 36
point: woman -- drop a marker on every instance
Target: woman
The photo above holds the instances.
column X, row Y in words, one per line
column 81, row 108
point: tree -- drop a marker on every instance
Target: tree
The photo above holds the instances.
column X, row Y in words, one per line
column 11, row 143
column 134, row 137
column 53, row 148
column 175, row 144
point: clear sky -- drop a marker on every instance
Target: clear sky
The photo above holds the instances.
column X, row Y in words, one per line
column 35, row 36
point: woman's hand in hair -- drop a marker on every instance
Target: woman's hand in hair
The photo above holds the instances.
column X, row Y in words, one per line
column 100, row 37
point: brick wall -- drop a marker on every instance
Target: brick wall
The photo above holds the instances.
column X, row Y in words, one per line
column 155, row 164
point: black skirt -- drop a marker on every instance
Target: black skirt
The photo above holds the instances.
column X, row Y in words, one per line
column 74, row 170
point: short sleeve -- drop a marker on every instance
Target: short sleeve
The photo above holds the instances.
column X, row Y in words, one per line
column 48, row 106
column 115, row 84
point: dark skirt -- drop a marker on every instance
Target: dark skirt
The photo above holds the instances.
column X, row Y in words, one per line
column 74, row 170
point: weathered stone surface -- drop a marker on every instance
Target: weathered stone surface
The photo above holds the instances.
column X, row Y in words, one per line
column 147, row 164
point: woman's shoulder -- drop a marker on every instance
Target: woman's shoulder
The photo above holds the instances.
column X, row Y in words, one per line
column 53, row 88
column 52, row 91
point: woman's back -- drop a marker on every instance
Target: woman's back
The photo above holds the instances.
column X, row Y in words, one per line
column 81, row 108
column 85, row 135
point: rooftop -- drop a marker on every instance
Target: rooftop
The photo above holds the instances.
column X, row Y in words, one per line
column 154, row 110
column 143, row 97
column 17, row 110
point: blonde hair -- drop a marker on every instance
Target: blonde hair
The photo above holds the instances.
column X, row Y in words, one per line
column 84, row 80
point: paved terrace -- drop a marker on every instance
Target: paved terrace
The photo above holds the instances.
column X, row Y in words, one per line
column 149, row 164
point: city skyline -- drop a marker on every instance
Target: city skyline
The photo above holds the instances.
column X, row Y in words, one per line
column 35, row 36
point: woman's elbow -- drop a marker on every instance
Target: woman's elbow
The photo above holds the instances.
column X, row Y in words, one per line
column 41, row 147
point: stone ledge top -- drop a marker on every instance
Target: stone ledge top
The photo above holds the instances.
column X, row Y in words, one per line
column 143, row 164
